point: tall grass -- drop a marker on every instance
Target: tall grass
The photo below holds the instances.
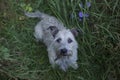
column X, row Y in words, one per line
column 21, row 57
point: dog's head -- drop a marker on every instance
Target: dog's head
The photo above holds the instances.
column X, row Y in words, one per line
column 64, row 41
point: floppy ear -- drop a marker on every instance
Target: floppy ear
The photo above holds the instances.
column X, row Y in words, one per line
column 76, row 31
column 54, row 30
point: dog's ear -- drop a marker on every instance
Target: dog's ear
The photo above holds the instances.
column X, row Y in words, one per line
column 54, row 30
column 76, row 31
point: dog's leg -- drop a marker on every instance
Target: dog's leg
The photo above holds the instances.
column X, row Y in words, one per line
column 74, row 65
column 38, row 32
column 52, row 56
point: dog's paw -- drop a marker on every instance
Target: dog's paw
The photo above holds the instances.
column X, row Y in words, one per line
column 74, row 66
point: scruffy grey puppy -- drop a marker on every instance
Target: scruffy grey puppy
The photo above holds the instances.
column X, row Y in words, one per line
column 60, row 41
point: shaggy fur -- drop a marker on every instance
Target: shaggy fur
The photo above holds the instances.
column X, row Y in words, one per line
column 60, row 42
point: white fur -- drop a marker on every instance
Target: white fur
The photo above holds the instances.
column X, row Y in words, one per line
column 43, row 34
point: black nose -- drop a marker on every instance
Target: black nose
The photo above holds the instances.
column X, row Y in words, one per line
column 64, row 51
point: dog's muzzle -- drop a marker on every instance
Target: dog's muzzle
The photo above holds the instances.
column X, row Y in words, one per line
column 64, row 53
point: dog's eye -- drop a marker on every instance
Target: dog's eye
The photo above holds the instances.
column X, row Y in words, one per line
column 58, row 40
column 69, row 40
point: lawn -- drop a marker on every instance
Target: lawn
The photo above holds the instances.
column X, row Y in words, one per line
column 22, row 58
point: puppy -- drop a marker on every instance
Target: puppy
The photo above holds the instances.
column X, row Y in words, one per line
column 60, row 41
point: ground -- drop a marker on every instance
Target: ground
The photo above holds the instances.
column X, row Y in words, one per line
column 22, row 58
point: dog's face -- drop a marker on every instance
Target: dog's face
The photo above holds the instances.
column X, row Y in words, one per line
column 64, row 41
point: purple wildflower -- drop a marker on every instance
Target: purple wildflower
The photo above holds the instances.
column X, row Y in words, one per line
column 82, row 15
column 88, row 4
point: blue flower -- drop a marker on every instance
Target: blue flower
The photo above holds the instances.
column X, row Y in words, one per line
column 82, row 14
column 87, row 4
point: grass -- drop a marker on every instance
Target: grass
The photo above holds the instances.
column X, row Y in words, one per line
column 22, row 58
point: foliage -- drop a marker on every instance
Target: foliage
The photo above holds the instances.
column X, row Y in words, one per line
column 21, row 57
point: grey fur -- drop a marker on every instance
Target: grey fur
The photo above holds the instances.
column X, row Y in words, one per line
column 48, row 30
